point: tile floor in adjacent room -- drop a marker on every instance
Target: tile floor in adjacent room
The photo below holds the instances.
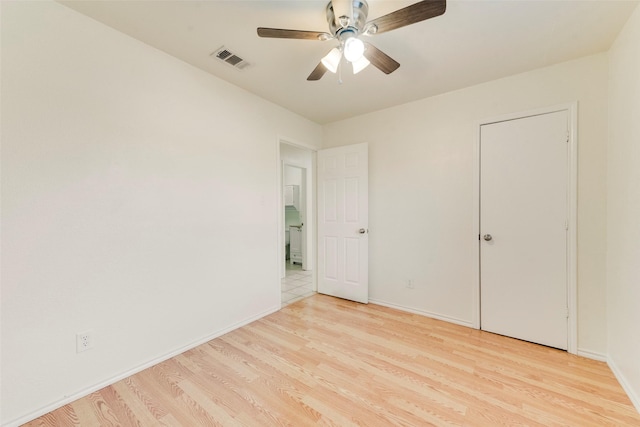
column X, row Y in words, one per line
column 296, row 285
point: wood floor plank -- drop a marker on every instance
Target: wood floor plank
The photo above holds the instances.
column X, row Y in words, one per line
column 119, row 407
column 85, row 413
column 330, row 362
column 143, row 396
column 102, row 410
column 139, row 409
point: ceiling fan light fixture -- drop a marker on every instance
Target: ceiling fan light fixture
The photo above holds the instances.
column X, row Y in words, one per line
column 360, row 65
column 347, row 21
column 332, row 60
column 353, row 49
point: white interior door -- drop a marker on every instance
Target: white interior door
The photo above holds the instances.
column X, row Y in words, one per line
column 343, row 218
column 523, row 227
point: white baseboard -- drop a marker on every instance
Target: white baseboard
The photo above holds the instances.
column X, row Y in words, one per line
column 423, row 313
column 601, row 357
column 107, row 382
column 634, row 395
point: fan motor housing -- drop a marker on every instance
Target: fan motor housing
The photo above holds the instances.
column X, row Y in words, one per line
column 354, row 23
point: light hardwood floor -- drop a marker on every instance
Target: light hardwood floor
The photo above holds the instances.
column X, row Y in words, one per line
column 326, row 361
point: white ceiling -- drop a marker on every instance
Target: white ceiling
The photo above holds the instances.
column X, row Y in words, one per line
column 473, row 42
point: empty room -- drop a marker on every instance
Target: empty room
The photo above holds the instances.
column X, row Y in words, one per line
column 296, row 213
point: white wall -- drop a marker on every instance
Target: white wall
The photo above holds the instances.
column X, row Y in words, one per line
column 130, row 182
column 421, row 190
column 292, row 175
column 623, row 208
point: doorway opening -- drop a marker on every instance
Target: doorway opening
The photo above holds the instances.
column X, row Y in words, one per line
column 297, row 212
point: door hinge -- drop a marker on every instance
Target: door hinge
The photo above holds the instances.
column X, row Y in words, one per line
column 567, row 312
column 566, row 224
column 568, row 135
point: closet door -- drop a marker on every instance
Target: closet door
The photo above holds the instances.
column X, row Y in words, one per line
column 523, row 228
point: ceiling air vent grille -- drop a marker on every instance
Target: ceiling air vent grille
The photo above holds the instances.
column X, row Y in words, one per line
column 228, row 57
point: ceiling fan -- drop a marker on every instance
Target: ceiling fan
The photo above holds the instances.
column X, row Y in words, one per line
column 347, row 23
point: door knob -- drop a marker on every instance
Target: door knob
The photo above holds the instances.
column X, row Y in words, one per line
column 362, row 231
column 487, row 237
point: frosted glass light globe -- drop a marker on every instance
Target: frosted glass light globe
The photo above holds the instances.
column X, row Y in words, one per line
column 360, row 65
column 332, row 60
column 353, row 49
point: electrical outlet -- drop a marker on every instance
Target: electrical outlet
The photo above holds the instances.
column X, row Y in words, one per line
column 410, row 284
column 84, row 341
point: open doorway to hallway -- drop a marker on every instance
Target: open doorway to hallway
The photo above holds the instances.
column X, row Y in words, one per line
column 297, row 236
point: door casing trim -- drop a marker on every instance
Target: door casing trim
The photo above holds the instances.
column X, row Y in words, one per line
column 572, row 209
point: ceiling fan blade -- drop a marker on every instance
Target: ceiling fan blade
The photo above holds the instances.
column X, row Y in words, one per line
column 279, row 33
column 317, row 73
column 409, row 15
column 380, row 60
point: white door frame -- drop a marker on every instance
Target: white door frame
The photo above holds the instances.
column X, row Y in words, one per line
column 572, row 200
column 311, row 195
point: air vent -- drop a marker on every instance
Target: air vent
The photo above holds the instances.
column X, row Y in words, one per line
column 228, row 57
